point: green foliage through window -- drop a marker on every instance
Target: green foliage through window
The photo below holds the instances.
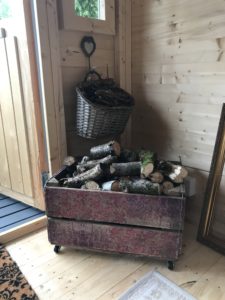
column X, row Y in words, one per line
column 5, row 9
column 87, row 8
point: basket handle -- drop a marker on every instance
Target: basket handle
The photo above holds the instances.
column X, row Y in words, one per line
column 91, row 72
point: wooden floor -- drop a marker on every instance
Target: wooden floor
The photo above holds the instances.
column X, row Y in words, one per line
column 84, row 275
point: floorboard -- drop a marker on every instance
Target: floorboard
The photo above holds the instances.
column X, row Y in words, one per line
column 14, row 213
column 11, row 209
column 6, row 202
column 84, row 275
column 3, row 197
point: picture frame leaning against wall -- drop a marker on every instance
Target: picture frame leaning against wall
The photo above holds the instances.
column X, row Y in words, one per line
column 211, row 231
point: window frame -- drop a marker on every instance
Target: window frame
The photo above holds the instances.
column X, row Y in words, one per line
column 70, row 21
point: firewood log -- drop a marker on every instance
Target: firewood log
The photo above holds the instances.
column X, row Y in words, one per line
column 111, row 148
column 178, row 174
column 147, row 159
column 69, row 161
column 69, row 164
column 140, row 186
column 113, row 185
column 156, row 177
column 95, row 173
column 105, row 92
column 84, row 166
column 175, row 172
column 128, row 155
column 125, row 169
column 53, row 182
column 166, row 187
column 90, row 185
column 164, row 167
column 84, row 159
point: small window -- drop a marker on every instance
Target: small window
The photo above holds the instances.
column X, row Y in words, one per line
column 94, row 9
column 96, row 16
column 5, row 9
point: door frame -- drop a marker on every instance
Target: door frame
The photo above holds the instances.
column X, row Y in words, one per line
column 45, row 20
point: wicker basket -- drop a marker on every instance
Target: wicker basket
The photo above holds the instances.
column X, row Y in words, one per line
column 95, row 121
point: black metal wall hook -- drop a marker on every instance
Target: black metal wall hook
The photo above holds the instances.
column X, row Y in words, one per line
column 88, row 47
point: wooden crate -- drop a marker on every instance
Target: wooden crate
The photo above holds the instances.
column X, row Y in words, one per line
column 115, row 222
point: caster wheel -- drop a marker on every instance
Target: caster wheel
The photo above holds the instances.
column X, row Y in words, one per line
column 170, row 265
column 56, row 249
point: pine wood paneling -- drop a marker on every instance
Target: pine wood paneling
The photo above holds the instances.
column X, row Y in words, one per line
column 178, row 75
column 8, row 122
column 74, row 67
column 112, row 56
column 123, row 56
column 4, row 174
column 18, row 101
column 181, row 96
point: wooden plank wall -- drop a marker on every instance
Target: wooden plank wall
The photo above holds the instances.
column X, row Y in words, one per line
column 123, row 56
column 74, row 67
column 178, row 75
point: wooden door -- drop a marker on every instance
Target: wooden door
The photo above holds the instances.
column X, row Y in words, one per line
column 22, row 151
